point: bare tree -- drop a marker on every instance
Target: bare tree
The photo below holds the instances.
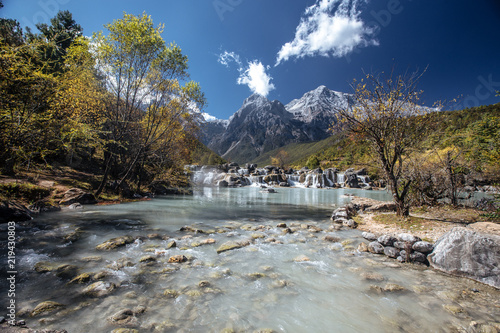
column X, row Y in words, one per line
column 386, row 110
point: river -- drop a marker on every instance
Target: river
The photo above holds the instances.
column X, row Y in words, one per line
column 279, row 281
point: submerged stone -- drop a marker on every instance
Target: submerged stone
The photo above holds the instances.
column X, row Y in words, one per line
column 147, row 259
column 99, row 289
column 393, row 287
column 125, row 330
column 114, row 243
column 301, row 258
column 178, row 259
column 46, row 307
column 171, row 245
column 228, row 246
column 171, row 293
column 82, row 278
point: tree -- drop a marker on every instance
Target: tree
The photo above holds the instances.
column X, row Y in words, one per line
column 281, row 159
column 386, row 111
column 79, row 103
column 312, row 162
column 57, row 38
column 25, row 92
column 151, row 96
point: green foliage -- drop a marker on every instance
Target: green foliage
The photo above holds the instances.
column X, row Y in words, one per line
column 117, row 105
column 54, row 41
column 312, row 162
column 23, row 191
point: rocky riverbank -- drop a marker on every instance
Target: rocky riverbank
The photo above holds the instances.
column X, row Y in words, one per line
column 465, row 249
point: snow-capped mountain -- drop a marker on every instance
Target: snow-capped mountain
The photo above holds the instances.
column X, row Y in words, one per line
column 258, row 126
column 261, row 125
column 317, row 110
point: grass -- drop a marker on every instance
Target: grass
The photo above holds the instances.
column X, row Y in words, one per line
column 25, row 192
column 411, row 222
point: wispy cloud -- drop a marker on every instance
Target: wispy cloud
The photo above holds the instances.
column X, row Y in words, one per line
column 256, row 78
column 253, row 74
column 225, row 58
column 328, row 28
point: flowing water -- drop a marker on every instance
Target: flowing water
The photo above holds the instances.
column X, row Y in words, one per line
column 285, row 282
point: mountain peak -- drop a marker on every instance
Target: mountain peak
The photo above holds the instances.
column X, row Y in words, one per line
column 255, row 98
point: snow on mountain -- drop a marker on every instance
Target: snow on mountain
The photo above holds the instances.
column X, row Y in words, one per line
column 319, row 100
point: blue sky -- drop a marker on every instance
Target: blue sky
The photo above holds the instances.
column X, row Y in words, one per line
column 284, row 48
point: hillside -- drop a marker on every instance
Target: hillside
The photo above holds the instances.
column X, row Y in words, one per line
column 475, row 132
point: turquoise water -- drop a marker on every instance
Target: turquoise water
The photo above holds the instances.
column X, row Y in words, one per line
column 265, row 284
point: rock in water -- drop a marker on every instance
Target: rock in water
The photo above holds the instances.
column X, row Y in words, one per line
column 115, row 242
column 465, row 252
column 45, row 307
column 99, row 289
column 228, row 246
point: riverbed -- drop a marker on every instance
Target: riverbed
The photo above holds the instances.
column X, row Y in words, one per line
column 292, row 272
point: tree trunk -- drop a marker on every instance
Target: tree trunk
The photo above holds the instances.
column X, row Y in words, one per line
column 104, row 177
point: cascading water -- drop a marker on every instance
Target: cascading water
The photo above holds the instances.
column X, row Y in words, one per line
column 209, row 176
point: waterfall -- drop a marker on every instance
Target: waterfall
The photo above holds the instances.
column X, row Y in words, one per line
column 340, row 178
column 365, row 180
column 294, row 180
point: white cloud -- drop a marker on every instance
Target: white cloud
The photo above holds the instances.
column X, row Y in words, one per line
column 226, row 58
column 256, row 78
column 328, row 28
column 253, row 74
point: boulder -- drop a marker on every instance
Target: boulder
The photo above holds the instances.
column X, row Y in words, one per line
column 382, row 207
column 424, row 247
column 468, row 253
column 418, row 257
column 351, row 180
column 376, row 247
column 350, row 223
column 13, row 212
column 76, row 195
column 223, row 183
column 387, row 240
column 409, row 238
column 391, row 252
column 369, row 236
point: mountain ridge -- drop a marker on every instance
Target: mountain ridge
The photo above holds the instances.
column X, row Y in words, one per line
column 261, row 125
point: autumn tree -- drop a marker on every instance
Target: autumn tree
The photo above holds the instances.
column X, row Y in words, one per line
column 386, row 111
column 281, row 159
column 79, row 104
column 25, row 92
column 151, row 95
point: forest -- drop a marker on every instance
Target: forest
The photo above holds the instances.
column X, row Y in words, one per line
column 118, row 104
